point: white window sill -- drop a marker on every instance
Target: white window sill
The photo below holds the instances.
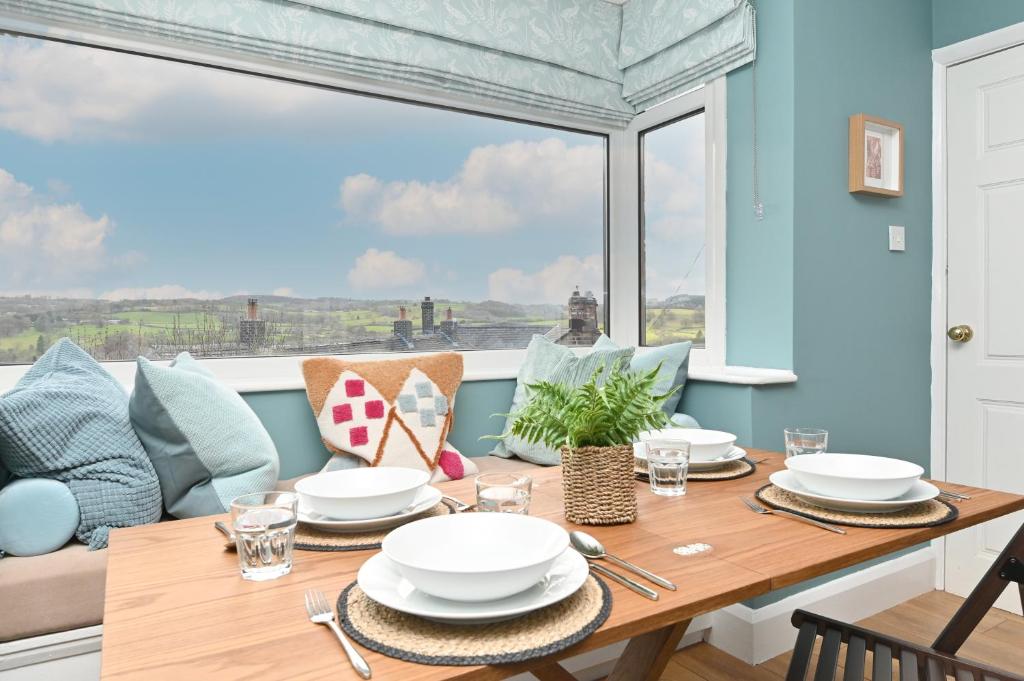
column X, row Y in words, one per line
column 741, row 375
column 268, row 374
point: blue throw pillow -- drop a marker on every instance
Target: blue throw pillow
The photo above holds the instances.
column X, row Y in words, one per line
column 674, row 360
column 205, row 442
column 67, row 420
column 548, row 361
column 37, row 516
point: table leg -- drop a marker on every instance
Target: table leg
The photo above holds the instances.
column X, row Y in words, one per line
column 647, row 655
column 552, row 672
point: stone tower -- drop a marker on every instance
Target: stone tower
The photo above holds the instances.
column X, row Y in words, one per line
column 427, row 308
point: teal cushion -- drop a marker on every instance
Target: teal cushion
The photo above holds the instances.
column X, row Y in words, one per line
column 683, row 421
column 205, row 442
column 674, row 360
column 548, row 361
column 67, row 420
column 37, row 516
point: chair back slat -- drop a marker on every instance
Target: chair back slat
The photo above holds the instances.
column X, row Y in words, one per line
column 856, row 648
column 881, row 665
column 909, row 666
column 828, row 656
column 801, row 659
column 965, row 674
column 934, row 670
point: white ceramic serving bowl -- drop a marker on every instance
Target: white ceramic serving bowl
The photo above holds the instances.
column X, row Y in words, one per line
column 475, row 557
column 854, row 476
column 361, row 493
column 705, row 445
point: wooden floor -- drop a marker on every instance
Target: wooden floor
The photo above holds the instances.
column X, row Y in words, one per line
column 998, row 640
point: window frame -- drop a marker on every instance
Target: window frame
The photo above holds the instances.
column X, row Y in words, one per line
column 627, row 223
column 621, row 201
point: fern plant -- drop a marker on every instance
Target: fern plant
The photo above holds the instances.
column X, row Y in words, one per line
column 595, row 414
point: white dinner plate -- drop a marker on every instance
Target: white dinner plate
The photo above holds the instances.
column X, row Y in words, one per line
column 380, row 580
column 919, row 491
column 425, row 500
column 734, row 454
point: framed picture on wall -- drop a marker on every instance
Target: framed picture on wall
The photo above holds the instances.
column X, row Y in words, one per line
column 876, row 156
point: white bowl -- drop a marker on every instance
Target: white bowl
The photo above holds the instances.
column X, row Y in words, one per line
column 475, row 557
column 361, row 493
column 854, row 476
column 705, row 445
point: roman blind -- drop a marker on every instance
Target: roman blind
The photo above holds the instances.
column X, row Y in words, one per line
column 589, row 59
column 671, row 46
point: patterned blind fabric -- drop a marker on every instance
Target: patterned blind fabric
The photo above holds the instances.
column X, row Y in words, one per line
column 588, row 59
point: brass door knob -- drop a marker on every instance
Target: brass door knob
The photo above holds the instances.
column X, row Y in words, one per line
column 961, row 333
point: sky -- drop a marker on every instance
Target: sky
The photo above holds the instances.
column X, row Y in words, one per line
column 127, row 177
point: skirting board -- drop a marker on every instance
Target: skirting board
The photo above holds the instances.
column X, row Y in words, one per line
column 756, row 636
column 753, row 636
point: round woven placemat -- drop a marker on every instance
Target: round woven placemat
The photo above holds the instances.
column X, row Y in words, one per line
column 308, row 538
column 740, row 468
column 414, row 639
column 925, row 514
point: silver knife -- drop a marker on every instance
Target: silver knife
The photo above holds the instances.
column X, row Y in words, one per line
column 625, row 581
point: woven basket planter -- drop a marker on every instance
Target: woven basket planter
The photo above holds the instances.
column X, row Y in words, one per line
column 598, row 485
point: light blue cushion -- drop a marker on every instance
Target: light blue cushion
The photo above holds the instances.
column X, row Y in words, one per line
column 67, row 419
column 683, row 421
column 674, row 360
column 37, row 516
column 205, row 442
column 548, row 361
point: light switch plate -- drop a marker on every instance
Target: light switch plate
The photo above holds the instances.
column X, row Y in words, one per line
column 897, row 238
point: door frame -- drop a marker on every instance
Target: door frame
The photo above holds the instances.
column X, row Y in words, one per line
column 944, row 58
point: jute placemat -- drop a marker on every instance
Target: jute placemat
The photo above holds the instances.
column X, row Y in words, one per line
column 414, row 639
column 925, row 514
column 309, row 538
column 740, row 468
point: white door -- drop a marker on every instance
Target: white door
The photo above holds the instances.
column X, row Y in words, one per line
column 985, row 246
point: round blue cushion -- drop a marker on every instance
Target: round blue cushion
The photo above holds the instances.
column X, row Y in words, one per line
column 36, row 516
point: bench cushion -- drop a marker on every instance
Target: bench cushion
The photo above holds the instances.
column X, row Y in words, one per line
column 54, row 592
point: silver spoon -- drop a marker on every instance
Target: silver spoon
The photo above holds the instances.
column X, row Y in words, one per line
column 223, row 527
column 591, row 548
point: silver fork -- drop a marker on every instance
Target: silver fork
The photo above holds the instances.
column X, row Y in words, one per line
column 320, row 612
column 758, row 508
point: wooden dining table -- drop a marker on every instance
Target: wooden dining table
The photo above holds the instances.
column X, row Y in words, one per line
column 176, row 607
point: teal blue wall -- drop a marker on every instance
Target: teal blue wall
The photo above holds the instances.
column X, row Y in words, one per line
column 759, row 253
column 956, row 20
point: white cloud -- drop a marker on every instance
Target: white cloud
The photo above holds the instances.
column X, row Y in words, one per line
column 53, row 92
column 499, row 187
column 44, row 240
column 164, row 292
column 674, row 198
column 284, row 291
column 377, row 270
column 551, row 284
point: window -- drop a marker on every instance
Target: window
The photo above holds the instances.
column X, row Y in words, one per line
column 673, row 231
column 151, row 207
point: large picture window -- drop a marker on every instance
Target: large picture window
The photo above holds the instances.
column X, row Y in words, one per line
column 673, row 231
column 151, row 207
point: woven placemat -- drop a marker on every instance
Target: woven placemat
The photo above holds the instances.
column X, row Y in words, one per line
column 308, row 538
column 414, row 639
column 924, row 514
column 740, row 468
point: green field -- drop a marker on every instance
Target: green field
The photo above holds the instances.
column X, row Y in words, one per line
column 674, row 325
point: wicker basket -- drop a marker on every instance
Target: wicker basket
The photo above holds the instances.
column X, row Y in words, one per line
column 598, row 485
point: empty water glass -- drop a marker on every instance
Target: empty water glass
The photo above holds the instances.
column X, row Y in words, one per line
column 668, row 462
column 503, row 492
column 264, row 525
column 801, row 441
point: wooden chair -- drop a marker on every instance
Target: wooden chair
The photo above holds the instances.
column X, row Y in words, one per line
column 915, row 662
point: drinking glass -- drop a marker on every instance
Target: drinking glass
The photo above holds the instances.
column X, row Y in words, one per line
column 667, row 464
column 264, row 525
column 503, row 492
column 805, row 441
